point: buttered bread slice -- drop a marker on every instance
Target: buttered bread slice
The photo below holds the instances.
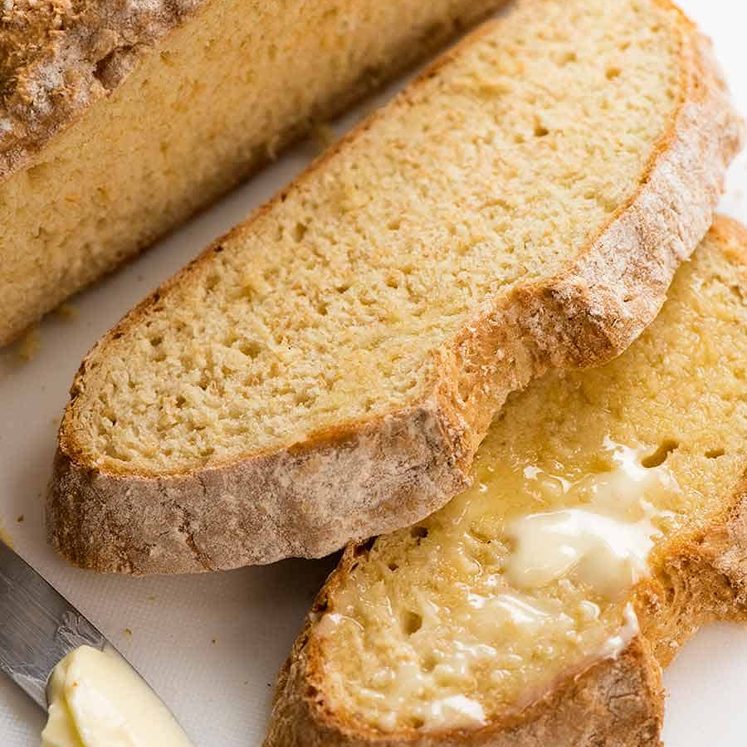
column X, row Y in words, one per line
column 326, row 371
column 606, row 521
column 120, row 118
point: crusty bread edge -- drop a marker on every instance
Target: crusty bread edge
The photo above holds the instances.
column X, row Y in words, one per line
column 367, row 478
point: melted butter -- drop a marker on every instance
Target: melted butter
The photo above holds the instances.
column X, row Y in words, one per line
column 454, row 712
column 520, row 578
column 605, row 553
column 604, row 544
column 615, row 644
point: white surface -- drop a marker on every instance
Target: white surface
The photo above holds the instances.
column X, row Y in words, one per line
column 211, row 645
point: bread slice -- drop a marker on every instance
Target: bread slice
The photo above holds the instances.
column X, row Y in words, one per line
column 504, row 618
column 326, row 371
column 118, row 120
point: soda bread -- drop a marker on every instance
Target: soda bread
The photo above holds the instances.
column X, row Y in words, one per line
column 607, row 520
column 120, row 118
column 326, row 371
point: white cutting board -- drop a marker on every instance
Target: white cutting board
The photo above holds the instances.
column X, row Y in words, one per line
column 211, row 645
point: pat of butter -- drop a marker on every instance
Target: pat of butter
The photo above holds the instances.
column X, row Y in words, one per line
column 607, row 554
column 604, row 543
column 97, row 700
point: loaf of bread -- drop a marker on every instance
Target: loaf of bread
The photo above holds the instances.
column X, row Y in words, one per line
column 120, row 118
column 327, row 370
column 607, row 520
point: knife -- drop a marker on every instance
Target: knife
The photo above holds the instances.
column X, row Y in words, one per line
column 38, row 626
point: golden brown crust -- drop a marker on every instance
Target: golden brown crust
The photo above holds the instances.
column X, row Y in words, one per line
column 697, row 578
column 368, row 478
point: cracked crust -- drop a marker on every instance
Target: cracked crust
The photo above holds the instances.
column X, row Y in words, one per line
column 619, row 702
column 371, row 477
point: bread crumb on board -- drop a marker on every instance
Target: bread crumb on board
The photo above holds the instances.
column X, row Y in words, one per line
column 67, row 311
column 28, row 346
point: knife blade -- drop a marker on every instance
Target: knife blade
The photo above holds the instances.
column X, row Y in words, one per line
column 38, row 626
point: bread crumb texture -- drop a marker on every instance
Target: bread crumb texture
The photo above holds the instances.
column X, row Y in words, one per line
column 121, row 118
column 431, row 627
column 331, row 306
